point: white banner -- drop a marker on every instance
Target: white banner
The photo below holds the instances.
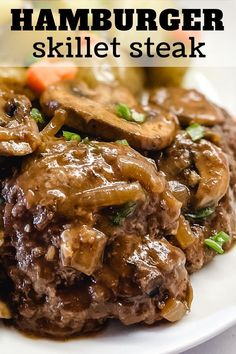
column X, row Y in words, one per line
column 123, row 33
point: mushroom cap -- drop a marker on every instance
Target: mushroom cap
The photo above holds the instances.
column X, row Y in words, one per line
column 94, row 112
column 188, row 105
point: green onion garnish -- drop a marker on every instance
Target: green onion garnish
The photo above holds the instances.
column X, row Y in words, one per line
column 71, row 136
column 122, row 142
column 201, row 214
column 37, row 115
column 217, row 241
column 196, row 131
column 138, row 117
column 123, row 111
column 127, row 210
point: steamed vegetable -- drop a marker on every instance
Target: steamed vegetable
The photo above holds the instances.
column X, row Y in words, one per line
column 42, row 74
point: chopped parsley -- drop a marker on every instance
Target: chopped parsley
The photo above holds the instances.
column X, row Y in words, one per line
column 37, row 115
column 71, row 136
column 122, row 142
column 217, row 241
column 201, row 214
column 123, row 111
column 196, row 131
column 127, row 210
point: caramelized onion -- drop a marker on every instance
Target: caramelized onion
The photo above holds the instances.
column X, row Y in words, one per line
column 114, row 194
column 173, row 310
column 189, row 296
column 1, row 238
column 184, row 234
column 142, row 171
column 180, row 192
column 55, row 124
column 5, row 312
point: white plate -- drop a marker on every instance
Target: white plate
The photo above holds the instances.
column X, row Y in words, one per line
column 213, row 311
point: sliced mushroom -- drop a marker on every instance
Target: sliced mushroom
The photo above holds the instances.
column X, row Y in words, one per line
column 94, row 112
column 213, row 168
column 19, row 133
column 200, row 166
column 189, row 106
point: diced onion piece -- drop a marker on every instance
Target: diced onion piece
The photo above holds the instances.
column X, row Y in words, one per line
column 5, row 312
column 82, row 248
column 173, row 310
column 184, row 234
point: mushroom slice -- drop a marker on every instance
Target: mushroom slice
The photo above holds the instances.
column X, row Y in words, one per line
column 200, row 166
column 189, row 106
column 213, row 168
column 94, row 112
column 19, row 133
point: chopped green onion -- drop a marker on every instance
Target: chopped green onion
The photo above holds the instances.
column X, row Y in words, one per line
column 71, row 136
column 124, row 111
column 217, row 241
column 129, row 114
column 138, row 117
column 214, row 245
column 201, row 214
column 127, row 210
column 37, row 115
column 196, row 131
column 122, row 142
column 221, row 237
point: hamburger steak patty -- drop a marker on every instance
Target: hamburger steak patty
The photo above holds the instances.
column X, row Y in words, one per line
column 75, row 260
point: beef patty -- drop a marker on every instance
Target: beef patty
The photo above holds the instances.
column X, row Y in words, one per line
column 85, row 223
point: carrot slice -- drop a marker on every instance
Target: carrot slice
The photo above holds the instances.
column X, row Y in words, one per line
column 183, row 36
column 44, row 73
